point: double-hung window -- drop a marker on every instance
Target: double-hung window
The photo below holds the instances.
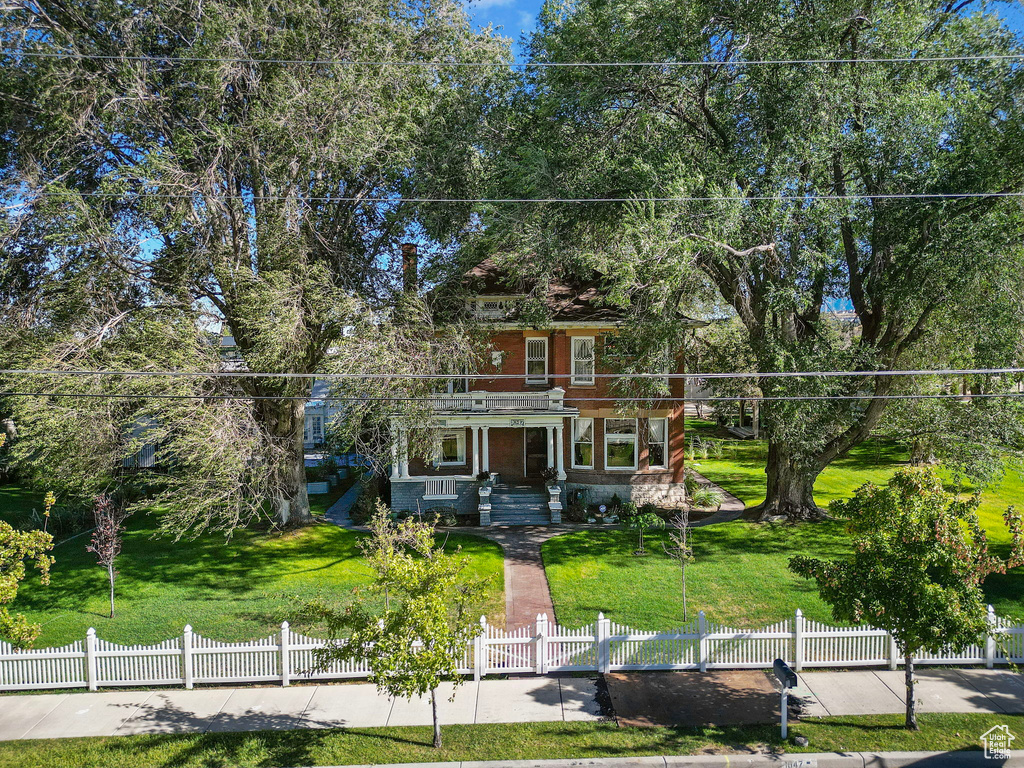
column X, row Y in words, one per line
column 620, row 444
column 657, row 443
column 583, row 361
column 453, row 448
column 583, row 443
column 536, row 361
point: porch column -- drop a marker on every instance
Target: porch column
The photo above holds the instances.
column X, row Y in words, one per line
column 476, row 451
column 551, row 446
column 403, row 452
column 394, row 452
column 560, row 451
column 485, row 451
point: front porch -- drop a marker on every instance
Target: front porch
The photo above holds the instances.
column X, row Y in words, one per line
column 509, row 437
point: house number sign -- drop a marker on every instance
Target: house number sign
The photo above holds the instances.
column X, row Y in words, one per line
column 517, row 422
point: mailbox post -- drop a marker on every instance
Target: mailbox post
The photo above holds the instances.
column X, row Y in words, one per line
column 788, row 679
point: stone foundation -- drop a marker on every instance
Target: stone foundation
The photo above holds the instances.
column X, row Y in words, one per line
column 669, row 495
column 409, row 494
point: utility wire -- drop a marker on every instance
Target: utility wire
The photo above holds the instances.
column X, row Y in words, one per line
column 513, row 65
column 538, row 200
column 583, row 399
column 461, row 377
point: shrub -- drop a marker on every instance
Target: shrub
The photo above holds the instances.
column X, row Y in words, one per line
column 691, row 485
column 446, row 516
column 648, row 508
column 707, row 497
column 315, row 474
column 576, row 506
column 628, row 510
column 329, row 466
column 615, row 504
column 369, row 493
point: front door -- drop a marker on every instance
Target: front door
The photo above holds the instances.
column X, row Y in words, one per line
column 536, row 452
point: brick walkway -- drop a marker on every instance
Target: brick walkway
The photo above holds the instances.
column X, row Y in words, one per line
column 526, row 585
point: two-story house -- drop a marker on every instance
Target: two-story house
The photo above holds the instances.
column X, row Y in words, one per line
column 542, row 404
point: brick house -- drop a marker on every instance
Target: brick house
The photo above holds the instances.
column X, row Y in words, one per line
column 538, row 416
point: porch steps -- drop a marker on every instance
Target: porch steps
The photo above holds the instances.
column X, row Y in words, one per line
column 519, row 505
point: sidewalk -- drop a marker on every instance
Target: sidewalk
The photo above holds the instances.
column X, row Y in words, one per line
column 121, row 713
column 710, row 697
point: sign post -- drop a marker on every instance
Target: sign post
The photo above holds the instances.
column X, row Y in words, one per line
column 788, row 679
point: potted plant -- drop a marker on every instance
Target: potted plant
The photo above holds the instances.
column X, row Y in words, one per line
column 550, row 476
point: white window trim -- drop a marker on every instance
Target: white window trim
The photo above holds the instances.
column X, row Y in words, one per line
column 460, row 436
column 593, row 426
column 664, row 444
column 619, row 438
column 536, row 379
column 584, row 381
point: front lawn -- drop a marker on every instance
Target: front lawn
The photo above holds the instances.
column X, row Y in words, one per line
column 513, row 741
column 740, row 470
column 229, row 590
column 739, row 577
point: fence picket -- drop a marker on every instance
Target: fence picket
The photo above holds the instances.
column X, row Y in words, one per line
column 543, row 648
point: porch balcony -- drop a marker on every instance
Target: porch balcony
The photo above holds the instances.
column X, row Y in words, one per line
column 477, row 401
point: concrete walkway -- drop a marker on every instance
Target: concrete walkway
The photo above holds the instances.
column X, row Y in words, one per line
column 339, row 512
column 731, row 509
column 120, row 713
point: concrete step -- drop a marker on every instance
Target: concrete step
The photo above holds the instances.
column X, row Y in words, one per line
column 535, row 520
column 517, row 498
column 518, row 504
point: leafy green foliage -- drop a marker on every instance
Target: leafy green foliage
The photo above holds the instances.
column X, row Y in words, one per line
column 748, row 136
column 17, row 547
column 641, row 521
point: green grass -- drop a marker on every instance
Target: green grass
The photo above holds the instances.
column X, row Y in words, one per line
column 740, row 470
column 518, row 741
column 229, row 590
column 739, row 577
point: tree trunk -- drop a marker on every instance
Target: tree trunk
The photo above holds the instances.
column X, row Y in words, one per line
column 110, row 574
column 437, row 723
column 790, row 491
column 285, row 420
column 911, row 698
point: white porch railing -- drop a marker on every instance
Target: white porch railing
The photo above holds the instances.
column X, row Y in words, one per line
column 439, row 488
column 603, row 646
column 551, row 400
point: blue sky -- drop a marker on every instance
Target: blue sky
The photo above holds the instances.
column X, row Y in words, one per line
column 517, row 16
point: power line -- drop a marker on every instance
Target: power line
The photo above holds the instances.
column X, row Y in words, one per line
column 468, row 377
column 514, row 65
column 538, row 200
column 581, row 399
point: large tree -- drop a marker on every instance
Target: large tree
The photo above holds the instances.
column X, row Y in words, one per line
column 186, row 163
column 774, row 146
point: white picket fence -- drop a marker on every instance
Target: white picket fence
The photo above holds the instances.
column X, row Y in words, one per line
column 603, row 646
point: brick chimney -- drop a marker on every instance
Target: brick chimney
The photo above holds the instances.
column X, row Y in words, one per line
column 410, row 268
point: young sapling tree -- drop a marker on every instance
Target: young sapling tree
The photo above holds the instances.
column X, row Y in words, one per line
column 106, row 538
